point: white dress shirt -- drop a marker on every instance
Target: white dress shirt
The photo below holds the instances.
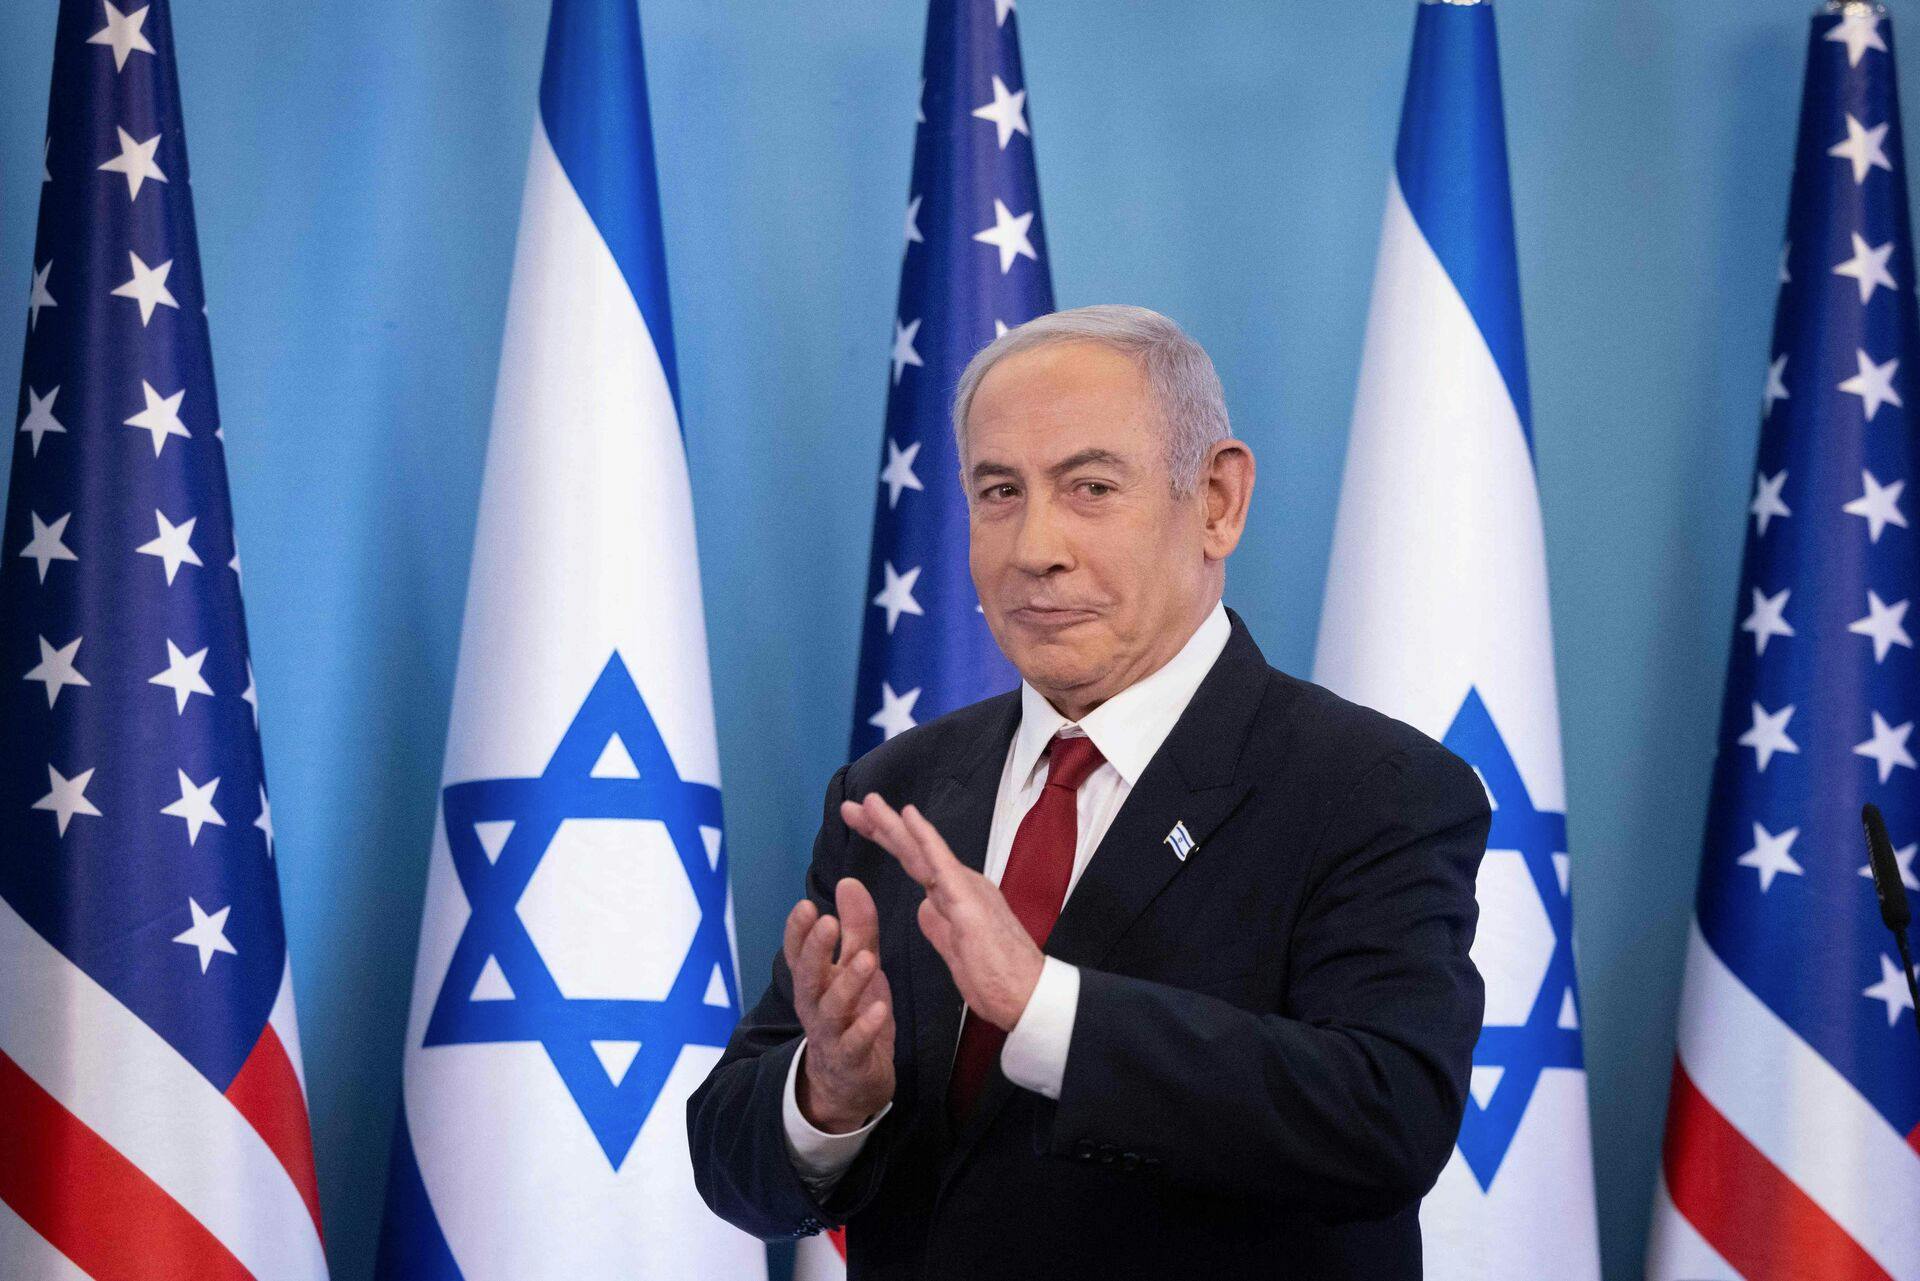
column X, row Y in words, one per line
column 1128, row 729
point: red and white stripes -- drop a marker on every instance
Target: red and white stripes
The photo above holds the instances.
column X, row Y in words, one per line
column 822, row 1257
column 1774, row 1164
column 123, row 1158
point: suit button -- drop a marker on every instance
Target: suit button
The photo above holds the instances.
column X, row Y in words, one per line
column 1129, row 1161
column 1107, row 1153
column 1083, row 1150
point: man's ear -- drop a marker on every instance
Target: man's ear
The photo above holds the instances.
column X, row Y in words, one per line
column 1226, row 489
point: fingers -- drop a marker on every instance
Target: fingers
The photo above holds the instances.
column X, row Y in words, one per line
column 937, row 928
column 854, row 814
column 865, row 1034
column 799, row 921
column 837, row 1003
column 844, row 1008
column 817, row 950
column 829, row 995
column 812, row 961
column 876, row 820
column 856, row 1014
column 878, row 989
column 934, row 846
column 859, row 919
column 869, row 1014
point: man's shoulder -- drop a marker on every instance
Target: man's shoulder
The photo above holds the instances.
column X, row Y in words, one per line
column 1327, row 741
column 1301, row 732
column 944, row 745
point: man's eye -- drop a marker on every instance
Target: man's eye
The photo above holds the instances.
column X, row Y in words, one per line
column 1095, row 488
column 999, row 492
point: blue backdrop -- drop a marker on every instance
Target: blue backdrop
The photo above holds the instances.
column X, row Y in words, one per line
column 358, row 169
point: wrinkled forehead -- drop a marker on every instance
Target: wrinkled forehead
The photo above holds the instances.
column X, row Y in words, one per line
column 1062, row 399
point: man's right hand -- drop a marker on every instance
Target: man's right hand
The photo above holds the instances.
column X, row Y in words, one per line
column 845, row 1008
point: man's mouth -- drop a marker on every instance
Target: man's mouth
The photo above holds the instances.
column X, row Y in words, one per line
column 1051, row 615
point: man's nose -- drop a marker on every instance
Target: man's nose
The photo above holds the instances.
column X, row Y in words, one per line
column 1041, row 545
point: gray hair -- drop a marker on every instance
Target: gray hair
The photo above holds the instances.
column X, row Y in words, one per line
column 1193, row 409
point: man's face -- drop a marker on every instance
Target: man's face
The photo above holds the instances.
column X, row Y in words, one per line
column 1090, row 571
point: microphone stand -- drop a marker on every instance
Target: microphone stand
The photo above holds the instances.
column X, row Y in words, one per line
column 1892, row 894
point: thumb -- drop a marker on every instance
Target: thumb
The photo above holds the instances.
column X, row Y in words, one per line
column 937, row 928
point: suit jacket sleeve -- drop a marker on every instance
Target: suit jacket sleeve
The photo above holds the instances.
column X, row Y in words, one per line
column 735, row 1130
column 1350, row 1098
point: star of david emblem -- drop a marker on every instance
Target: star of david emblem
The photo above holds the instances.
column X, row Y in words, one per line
column 1509, row 1058
column 523, row 1001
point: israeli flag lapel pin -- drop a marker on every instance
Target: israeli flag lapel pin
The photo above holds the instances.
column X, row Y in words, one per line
column 1179, row 841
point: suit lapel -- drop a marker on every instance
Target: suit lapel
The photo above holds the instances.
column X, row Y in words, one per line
column 1193, row 779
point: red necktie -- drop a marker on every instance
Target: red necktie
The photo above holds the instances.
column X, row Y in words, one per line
column 1035, row 885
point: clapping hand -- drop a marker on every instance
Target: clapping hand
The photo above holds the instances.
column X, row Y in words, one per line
column 994, row 961
column 845, row 1008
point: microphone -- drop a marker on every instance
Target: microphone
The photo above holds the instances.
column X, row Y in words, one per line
column 1892, row 894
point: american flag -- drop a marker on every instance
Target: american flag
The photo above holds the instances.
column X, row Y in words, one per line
column 152, row 1116
column 1793, row 1127
column 975, row 266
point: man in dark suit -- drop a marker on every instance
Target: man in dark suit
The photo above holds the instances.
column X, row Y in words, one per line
column 1155, row 967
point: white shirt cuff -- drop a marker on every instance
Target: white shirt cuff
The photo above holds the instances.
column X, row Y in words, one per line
column 1035, row 1053
column 819, row 1157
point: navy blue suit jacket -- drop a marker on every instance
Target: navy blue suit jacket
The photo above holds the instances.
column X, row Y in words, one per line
column 1270, row 1055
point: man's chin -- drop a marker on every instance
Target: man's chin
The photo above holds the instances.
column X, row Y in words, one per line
column 1062, row 677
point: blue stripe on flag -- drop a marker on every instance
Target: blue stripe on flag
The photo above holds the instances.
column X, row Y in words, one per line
column 1452, row 163
column 593, row 100
column 412, row 1247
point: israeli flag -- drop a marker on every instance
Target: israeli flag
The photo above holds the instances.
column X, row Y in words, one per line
column 1436, row 613
column 577, row 973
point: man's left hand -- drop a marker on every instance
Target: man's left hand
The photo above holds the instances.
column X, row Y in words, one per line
column 993, row 959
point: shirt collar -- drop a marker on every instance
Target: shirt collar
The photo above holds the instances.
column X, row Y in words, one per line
column 1129, row 727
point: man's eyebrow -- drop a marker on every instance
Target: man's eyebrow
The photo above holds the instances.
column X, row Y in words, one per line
column 1086, row 458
